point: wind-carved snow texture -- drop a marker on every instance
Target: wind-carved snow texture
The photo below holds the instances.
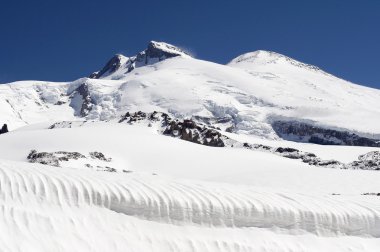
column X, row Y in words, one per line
column 185, row 203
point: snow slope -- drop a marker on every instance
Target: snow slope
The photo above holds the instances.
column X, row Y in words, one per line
column 142, row 149
column 188, row 198
column 251, row 92
column 122, row 187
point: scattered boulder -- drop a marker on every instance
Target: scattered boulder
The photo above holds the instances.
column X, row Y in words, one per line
column 4, row 129
column 53, row 158
column 286, row 150
column 56, row 159
column 43, row 158
column 371, row 194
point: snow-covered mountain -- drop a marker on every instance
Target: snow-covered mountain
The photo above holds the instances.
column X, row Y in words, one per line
column 253, row 94
column 278, row 156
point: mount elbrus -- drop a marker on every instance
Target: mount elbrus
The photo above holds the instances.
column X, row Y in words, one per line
column 164, row 152
column 260, row 93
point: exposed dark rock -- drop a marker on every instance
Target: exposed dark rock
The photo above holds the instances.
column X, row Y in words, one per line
column 4, row 129
column 303, row 132
column 306, row 157
column 111, row 66
column 230, row 129
column 137, row 116
column 369, row 161
column 155, row 52
column 158, row 51
column 110, row 169
column 55, row 158
column 186, row 129
column 257, row 147
column 59, row 103
column 87, row 100
column 371, row 194
column 99, row 156
column 247, row 145
column 286, row 150
column 189, row 130
column 63, row 124
column 66, row 155
column 43, row 158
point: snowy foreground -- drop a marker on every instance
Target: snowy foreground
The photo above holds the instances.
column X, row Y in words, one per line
column 122, row 160
column 243, row 201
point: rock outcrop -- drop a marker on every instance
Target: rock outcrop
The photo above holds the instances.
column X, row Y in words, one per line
column 303, row 132
column 111, row 66
column 368, row 161
column 53, row 158
column 292, row 153
column 82, row 95
column 185, row 129
column 58, row 159
column 155, row 52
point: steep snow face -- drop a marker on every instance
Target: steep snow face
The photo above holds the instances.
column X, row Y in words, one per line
column 28, row 102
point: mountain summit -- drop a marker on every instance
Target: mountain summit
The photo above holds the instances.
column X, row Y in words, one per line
column 259, row 58
column 155, row 52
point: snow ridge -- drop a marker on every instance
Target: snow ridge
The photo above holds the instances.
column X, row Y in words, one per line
column 179, row 202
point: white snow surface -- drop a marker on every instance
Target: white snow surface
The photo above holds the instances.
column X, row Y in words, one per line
column 166, row 194
column 179, row 196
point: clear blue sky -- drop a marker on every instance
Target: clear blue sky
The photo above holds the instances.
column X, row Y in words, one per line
column 64, row 40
